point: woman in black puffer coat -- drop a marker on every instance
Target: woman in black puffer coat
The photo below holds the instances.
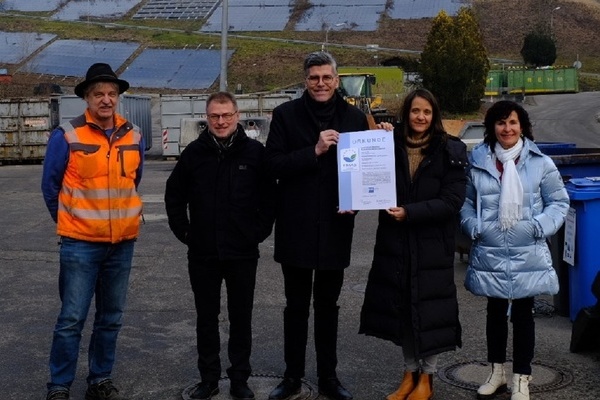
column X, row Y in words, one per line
column 411, row 296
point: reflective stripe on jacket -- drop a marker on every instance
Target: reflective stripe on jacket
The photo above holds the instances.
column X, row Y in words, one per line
column 98, row 201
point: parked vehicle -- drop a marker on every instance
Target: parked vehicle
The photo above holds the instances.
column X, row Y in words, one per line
column 368, row 88
column 357, row 90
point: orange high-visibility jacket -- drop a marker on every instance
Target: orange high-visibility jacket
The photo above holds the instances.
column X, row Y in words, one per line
column 98, row 201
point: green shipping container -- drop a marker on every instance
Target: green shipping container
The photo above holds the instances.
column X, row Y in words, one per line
column 566, row 80
column 515, row 80
column 494, row 83
column 531, row 81
column 552, row 80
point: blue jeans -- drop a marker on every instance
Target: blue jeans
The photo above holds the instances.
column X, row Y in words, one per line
column 88, row 268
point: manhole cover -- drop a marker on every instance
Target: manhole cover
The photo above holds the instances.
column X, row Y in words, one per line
column 470, row 375
column 262, row 385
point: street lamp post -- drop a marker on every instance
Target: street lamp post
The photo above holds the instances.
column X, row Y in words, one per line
column 552, row 20
column 324, row 45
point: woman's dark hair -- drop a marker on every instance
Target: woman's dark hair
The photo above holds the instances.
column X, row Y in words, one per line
column 436, row 128
column 501, row 110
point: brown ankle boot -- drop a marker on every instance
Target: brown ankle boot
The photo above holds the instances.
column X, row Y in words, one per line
column 424, row 389
column 406, row 386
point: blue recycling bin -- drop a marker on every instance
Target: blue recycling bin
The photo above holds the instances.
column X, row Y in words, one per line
column 555, row 147
column 585, row 199
column 575, row 162
column 572, row 162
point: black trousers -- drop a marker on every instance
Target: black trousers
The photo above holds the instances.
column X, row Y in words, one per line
column 240, row 279
column 299, row 288
column 521, row 317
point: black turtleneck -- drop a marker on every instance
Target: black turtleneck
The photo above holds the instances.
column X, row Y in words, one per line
column 321, row 112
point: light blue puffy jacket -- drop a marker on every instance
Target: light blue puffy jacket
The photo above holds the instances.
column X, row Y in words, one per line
column 516, row 263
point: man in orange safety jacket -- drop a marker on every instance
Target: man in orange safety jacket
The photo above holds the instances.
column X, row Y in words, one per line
column 92, row 168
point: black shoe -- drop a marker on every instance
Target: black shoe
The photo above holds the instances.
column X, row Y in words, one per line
column 333, row 389
column 286, row 389
column 103, row 390
column 58, row 394
column 239, row 390
column 205, row 390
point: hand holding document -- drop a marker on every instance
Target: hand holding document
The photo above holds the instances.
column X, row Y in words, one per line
column 366, row 169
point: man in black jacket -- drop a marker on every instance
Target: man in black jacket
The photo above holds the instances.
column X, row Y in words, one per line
column 220, row 180
column 312, row 237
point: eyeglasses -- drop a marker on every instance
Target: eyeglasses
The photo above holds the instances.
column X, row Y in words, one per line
column 314, row 79
column 227, row 117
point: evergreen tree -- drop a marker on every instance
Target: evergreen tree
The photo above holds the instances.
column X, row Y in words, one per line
column 454, row 62
column 539, row 49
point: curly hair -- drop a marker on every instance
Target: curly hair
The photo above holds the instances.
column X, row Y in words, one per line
column 502, row 110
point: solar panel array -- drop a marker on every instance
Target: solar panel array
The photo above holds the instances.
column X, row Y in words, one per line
column 73, row 57
column 80, row 10
column 349, row 3
column 15, row 47
column 175, row 69
column 153, row 68
column 357, row 18
column 245, row 15
column 29, row 5
column 414, row 9
column 186, row 69
column 259, row 3
column 248, row 15
column 176, row 9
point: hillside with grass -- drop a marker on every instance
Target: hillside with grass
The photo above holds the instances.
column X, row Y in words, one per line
column 265, row 61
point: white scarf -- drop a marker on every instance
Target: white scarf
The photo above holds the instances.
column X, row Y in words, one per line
column 511, row 192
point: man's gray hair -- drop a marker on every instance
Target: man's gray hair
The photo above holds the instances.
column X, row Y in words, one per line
column 222, row 98
column 317, row 59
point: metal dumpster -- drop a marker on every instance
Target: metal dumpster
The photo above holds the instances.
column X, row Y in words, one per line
column 24, row 127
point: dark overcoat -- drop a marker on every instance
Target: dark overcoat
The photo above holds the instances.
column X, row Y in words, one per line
column 309, row 231
column 412, row 276
column 220, row 201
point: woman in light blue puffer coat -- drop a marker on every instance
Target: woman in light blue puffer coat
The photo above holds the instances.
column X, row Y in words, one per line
column 515, row 200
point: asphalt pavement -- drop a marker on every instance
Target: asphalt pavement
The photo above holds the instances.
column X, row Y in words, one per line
column 156, row 357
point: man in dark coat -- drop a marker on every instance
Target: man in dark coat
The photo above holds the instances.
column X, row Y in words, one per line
column 313, row 237
column 220, row 177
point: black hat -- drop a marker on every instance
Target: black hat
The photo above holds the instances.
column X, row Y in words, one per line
column 100, row 72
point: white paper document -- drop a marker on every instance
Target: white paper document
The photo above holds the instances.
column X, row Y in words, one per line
column 366, row 169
